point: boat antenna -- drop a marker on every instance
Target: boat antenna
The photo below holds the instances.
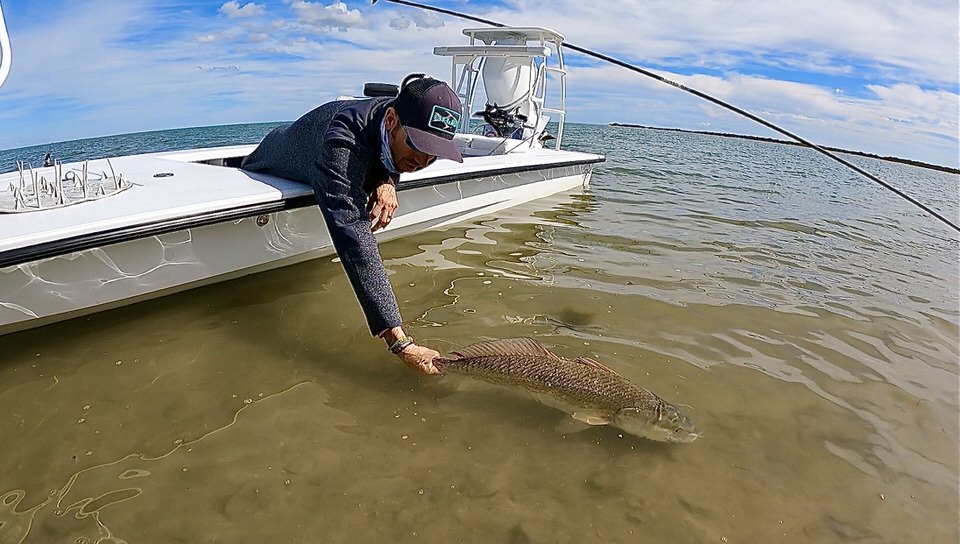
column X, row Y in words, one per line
column 5, row 54
column 704, row 96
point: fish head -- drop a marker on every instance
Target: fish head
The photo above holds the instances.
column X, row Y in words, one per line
column 667, row 424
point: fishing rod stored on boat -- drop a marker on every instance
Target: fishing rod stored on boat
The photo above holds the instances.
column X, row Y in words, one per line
column 702, row 95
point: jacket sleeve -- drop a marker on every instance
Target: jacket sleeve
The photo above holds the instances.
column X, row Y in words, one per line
column 337, row 180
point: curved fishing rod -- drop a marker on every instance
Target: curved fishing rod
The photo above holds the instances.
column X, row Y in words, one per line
column 5, row 55
column 704, row 96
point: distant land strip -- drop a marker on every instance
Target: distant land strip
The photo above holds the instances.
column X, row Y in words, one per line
column 788, row 142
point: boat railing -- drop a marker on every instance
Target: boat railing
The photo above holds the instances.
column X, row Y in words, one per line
column 35, row 190
column 524, row 52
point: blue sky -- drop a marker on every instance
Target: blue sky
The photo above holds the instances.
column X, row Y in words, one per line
column 874, row 75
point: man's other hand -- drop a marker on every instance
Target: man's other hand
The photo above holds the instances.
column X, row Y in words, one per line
column 381, row 206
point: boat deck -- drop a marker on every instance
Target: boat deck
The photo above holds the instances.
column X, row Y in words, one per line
column 171, row 190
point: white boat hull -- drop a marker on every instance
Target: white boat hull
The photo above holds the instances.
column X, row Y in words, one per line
column 92, row 279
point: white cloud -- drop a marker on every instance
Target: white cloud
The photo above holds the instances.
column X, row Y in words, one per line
column 233, row 9
column 337, row 15
column 900, row 120
column 425, row 19
column 399, row 23
column 899, row 85
column 420, row 20
column 822, row 34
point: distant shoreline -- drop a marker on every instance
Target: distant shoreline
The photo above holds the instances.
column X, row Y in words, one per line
column 788, row 142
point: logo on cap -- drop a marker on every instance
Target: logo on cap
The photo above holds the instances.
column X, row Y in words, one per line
column 444, row 119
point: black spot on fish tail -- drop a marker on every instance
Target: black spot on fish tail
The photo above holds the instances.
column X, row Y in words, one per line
column 572, row 317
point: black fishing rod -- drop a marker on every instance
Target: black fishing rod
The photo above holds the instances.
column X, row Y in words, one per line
column 704, row 96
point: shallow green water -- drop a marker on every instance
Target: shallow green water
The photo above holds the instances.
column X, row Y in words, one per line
column 808, row 318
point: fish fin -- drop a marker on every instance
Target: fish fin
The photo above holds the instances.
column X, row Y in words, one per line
column 506, row 346
column 591, row 419
column 595, row 364
column 570, row 426
column 441, row 362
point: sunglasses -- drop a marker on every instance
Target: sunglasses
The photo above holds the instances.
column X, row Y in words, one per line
column 407, row 140
column 410, row 144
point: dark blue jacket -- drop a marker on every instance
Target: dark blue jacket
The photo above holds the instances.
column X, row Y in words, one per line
column 337, row 149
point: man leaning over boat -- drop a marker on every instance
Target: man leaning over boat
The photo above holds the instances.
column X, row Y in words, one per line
column 352, row 152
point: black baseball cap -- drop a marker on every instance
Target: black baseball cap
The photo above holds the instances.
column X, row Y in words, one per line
column 430, row 112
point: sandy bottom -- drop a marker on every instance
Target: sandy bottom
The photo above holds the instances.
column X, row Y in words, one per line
column 260, row 411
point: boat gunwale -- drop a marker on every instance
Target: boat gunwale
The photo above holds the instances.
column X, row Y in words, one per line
column 50, row 249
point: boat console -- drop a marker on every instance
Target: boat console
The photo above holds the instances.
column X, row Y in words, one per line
column 515, row 65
